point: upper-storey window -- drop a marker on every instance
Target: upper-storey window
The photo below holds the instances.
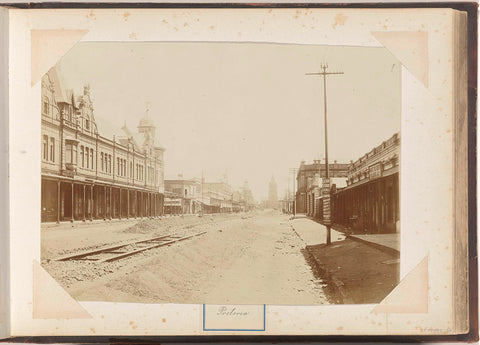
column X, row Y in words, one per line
column 70, row 152
column 82, row 153
column 46, row 106
column 48, row 152
column 45, row 148
column 139, row 172
column 87, row 124
column 52, row 149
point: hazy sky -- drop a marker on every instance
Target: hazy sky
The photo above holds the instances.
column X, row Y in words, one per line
column 243, row 108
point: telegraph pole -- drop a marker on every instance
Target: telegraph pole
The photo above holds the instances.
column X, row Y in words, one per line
column 326, row 182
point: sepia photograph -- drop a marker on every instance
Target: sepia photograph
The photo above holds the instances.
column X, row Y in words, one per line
column 222, row 173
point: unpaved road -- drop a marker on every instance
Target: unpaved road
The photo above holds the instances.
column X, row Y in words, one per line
column 242, row 259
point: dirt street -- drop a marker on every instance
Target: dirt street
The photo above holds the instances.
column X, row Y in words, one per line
column 242, row 259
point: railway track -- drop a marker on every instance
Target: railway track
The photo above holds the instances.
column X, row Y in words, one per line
column 113, row 253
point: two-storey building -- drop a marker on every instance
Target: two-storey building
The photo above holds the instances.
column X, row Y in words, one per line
column 218, row 196
column 185, row 193
column 309, row 183
column 88, row 174
column 370, row 202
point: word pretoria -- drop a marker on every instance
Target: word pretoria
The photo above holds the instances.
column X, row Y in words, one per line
column 223, row 310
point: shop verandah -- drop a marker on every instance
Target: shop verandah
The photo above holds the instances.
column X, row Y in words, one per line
column 68, row 200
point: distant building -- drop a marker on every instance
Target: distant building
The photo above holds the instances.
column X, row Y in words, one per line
column 192, row 195
column 309, row 183
column 247, row 197
column 218, row 196
column 91, row 169
column 243, row 199
column 272, row 194
column 183, row 195
column 237, row 204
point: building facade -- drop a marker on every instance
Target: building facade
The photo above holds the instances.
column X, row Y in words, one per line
column 247, row 199
column 243, row 199
column 309, row 181
column 370, row 202
column 86, row 175
column 192, row 196
column 218, row 196
column 183, row 195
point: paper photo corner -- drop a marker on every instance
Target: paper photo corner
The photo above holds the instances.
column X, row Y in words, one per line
column 410, row 48
column 51, row 301
column 48, row 46
column 410, row 295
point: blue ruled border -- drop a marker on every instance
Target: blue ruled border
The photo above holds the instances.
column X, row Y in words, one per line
column 233, row 329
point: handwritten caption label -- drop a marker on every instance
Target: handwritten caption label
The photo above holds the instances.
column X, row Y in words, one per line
column 233, row 317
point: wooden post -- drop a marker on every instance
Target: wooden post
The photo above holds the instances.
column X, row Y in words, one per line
column 91, row 202
column 120, row 203
column 105, row 203
column 128, row 203
column 110, row 213
column 136, row 204
column 73, row 208
column 96, row 208
column 58, row 201
column 84, row 202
